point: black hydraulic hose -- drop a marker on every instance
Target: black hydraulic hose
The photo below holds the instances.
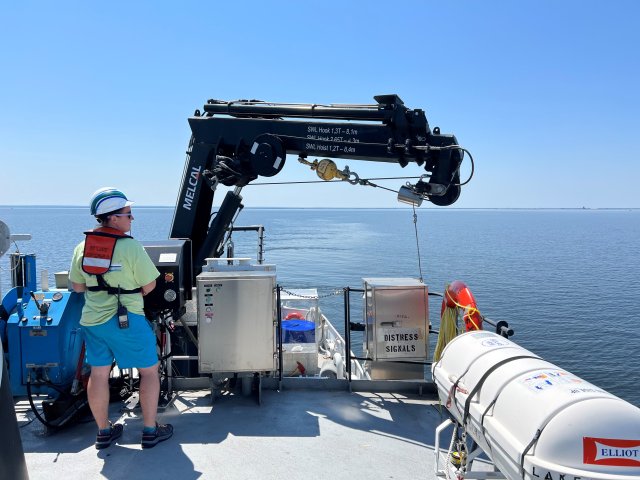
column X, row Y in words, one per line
column 275, row 110
column 75, row 407
column 35, row 409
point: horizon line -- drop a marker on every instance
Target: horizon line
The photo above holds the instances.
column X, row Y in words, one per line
column 347, row 208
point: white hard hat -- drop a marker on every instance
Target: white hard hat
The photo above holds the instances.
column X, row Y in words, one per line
column 108, row 199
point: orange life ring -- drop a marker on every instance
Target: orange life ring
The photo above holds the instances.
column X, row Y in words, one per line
column 458, row 295
column 295, row 316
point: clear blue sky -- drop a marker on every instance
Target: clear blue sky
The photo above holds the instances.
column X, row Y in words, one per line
column 545, row 94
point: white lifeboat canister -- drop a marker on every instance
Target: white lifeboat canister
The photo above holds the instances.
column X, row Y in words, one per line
column 535, row 420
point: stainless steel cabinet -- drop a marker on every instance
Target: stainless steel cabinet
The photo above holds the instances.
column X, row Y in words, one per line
column 396, row 313
column 236, row 315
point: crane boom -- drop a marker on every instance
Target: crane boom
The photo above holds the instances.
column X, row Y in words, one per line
column 235, row 142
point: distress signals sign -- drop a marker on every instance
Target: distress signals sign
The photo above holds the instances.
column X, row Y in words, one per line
column 401, row 343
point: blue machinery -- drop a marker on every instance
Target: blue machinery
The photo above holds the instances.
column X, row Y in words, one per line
column 41, row 334
column 42, row 337
column 44, row 341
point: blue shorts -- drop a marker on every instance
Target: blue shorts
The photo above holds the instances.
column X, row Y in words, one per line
column 133, row 347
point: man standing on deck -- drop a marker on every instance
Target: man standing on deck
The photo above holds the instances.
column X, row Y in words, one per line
column 114, row 272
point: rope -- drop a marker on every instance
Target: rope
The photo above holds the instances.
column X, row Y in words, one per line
column 448, row 330
column 364, row 181
column 327, row 181
column 449, row 453
column 415, row 228
column 17, row 265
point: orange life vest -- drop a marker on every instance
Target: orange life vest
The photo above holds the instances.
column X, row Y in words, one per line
column 98, row 249
column 99, row 246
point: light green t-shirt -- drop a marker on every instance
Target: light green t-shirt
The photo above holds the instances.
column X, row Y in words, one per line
column 131, row 268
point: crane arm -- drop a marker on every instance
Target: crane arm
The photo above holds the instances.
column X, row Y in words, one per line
column 235, row 142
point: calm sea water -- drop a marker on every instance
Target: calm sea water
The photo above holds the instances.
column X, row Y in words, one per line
column 565, row 280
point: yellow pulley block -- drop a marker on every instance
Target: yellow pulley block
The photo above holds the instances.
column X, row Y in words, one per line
column 328, row 170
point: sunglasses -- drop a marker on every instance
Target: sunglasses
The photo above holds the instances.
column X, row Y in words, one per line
column 130, row 215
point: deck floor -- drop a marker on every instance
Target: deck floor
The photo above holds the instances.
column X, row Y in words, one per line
column 291, row 434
